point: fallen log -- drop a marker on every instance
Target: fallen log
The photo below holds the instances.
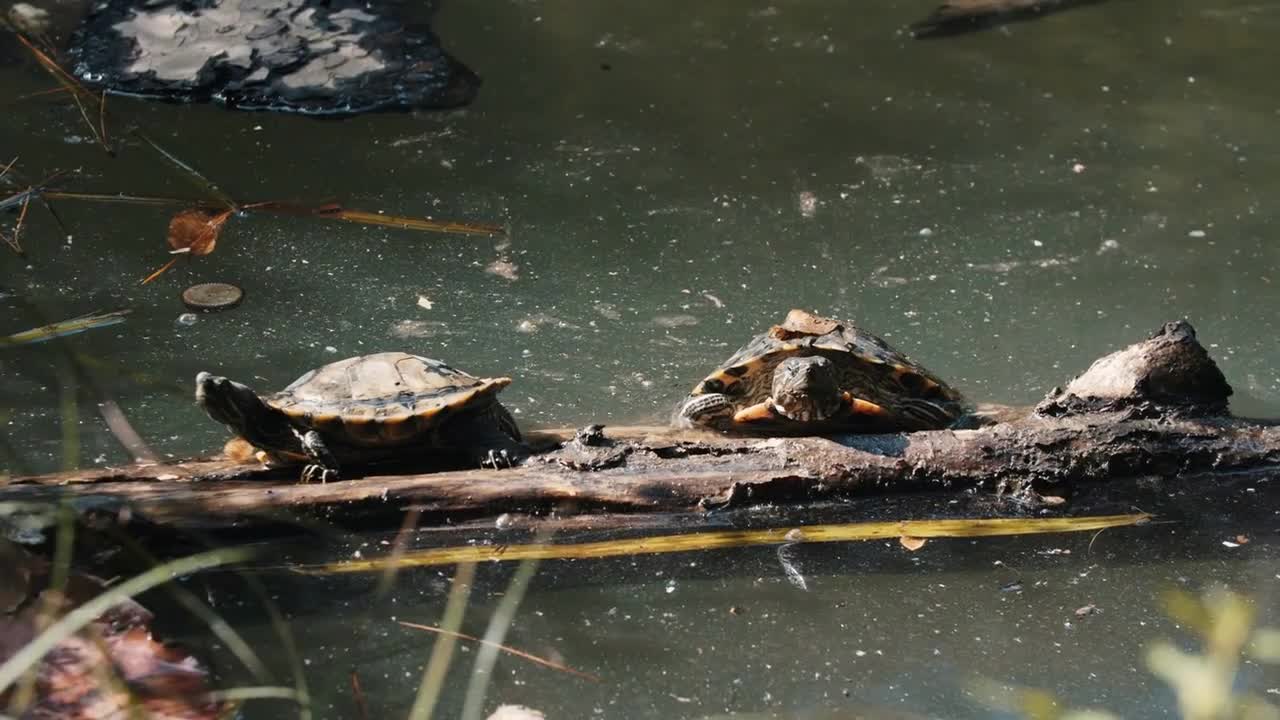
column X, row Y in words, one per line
column 1157, row 408
column 955, row 17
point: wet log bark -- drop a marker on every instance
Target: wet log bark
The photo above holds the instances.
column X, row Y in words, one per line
column 1157, row 408
column 954, row 17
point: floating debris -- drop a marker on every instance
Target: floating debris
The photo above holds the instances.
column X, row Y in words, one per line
column 64, row 328
column 675, row 321
column 212, row 297
column 503, row 268
column 537, row 321
column 608, row 311
column 911, row 543
column 808, row 203
column 790, row 567
column 407, row 329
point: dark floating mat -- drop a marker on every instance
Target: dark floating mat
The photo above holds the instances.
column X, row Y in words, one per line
column 306, row 56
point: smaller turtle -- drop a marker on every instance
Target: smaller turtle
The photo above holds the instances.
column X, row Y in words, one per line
column 368, row 408
column 814, row 374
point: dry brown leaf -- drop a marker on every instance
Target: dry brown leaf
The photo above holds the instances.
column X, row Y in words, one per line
column 195, row 230
column 802, row 322
column 911, row 543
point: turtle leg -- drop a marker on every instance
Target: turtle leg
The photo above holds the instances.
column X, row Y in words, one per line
column 324, row 466
column 495, row 449
column 766, row 411
column 864, row 408
column 490, row 439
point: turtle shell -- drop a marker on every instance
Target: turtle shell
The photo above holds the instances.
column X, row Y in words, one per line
column 384, row 399
column 867, row 366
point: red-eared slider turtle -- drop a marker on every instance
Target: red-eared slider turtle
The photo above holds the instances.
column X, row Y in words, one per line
column 815, row 374
column 369, row 407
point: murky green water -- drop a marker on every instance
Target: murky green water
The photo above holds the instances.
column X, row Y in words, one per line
column 845, row 630
column 1004, row 207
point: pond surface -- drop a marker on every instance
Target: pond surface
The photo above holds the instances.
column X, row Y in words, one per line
column 1004, row 207
column 840, row 630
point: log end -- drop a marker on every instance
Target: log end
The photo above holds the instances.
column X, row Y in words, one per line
column 1168, row 373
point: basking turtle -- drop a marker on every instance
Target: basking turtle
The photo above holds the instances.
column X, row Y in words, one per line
column 369, row 407
column 813, row 374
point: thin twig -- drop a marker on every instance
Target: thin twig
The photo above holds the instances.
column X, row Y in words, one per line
column 362, row 707
column 102, row 117
column 14, row 241
column 505, row 648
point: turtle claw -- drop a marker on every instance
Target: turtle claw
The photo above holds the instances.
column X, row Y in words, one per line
column 496, row 459
column 314, row 472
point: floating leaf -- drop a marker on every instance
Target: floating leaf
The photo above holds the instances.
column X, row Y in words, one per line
column 195, row 230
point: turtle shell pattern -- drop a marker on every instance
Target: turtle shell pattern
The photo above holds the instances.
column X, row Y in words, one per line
column 868, row 368
column 383, row 399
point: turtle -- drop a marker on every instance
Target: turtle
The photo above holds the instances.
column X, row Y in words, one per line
column 366, row 408
column 815, row 374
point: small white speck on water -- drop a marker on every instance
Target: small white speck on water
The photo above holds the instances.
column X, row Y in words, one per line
column 1077, row 168
column 188, row 319
column 926, row 232
column 1196, row 234
column 1038, row 243
column 330, row 349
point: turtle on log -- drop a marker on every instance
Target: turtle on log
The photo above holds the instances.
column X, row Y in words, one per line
column 368, row 408
column 813, row 374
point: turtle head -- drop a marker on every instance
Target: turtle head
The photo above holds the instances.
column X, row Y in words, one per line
column 230, row 403
column 806, row 389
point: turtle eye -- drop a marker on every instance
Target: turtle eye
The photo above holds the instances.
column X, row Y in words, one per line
column 711, row 385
